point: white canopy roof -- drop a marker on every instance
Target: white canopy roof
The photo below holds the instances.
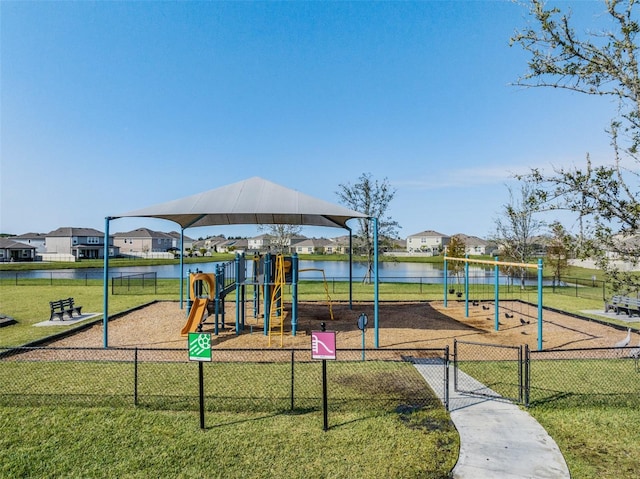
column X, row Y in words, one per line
column 252, row 201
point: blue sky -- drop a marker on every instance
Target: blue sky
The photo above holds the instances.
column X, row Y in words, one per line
column 108, row 107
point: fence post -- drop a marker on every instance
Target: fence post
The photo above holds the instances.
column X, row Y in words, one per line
column 293, row 352
column 446, row 378
column 455, row 364
column 527, row 373
column 135, row 377
column 520, row 376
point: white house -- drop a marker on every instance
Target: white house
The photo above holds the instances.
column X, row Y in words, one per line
column 427, row 242
column 37, row 240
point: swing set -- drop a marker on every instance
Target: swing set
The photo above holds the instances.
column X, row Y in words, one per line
column 496, row 287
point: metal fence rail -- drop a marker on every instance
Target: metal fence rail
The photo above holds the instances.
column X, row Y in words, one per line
column 499, row 368
column 608, row 376
column 237, row 380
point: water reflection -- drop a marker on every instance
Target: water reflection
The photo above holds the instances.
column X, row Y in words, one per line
column 309, row 270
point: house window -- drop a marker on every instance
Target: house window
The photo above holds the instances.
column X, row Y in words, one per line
column 93, row 240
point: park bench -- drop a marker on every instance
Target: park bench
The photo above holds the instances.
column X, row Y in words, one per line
column 629, row 305
column 612, row 305
column 64, row 306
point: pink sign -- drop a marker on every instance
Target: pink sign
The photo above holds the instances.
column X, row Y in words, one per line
column 323, row 345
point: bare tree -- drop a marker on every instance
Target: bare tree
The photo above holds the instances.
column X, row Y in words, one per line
column 602, row 62
column 517, row 228
column 280, row 235
column 371, row 197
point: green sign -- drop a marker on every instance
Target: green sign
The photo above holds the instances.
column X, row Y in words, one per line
column 199, row 346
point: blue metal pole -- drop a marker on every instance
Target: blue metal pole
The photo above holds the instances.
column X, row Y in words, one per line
column 105, row 281
column 181, row 267
column 376, row 283
column 294, row 294
column 267, row 292
column 446, row 281
column 539, row 304
column 350, row 269
column 237, row 275
column 466, row 287
column 496, row 296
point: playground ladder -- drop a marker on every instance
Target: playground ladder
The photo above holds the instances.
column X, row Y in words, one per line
column 277, row 304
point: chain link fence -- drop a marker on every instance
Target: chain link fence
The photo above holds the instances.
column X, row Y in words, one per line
column 594, row 376
column 237, row 380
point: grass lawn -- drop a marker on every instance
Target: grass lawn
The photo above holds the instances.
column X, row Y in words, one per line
column 246, row 435
column 52, row 442
column 598, row 441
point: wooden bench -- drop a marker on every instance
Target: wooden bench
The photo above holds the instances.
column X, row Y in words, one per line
column 629, row 305
column 64, row 306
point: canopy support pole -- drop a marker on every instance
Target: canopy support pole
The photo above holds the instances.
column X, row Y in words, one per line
column 105, row 285
column 376, row 282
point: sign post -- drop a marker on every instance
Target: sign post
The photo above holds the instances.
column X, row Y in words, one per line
column 200, row 351
column 323, row 346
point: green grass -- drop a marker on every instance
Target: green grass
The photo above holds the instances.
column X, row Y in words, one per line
column 138, row 443
column 598, row 440
column 370, row 436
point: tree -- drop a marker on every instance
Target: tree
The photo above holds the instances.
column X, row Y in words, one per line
column 371, row 197
column 601, row 62
column 558, row 250
column 516, row 229
column 281, row 235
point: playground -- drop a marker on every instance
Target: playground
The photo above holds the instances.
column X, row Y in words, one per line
column 401, row 325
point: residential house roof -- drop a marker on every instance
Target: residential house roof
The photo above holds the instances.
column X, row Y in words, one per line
column 67, row 232
column 9, row 243
column 429, row 233
column 471, row 240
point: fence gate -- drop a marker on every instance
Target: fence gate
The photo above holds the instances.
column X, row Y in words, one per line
column 491, row 370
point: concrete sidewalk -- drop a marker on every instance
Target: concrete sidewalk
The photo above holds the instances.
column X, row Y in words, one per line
column 498, row 440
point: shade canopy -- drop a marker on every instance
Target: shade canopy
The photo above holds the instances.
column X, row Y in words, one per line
column 252, row 201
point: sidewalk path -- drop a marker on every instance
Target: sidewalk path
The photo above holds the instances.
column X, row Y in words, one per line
column 498, row 440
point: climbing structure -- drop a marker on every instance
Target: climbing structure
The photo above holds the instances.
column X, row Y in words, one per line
column 276, row 311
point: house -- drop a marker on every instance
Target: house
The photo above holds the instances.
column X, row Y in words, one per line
column 429, row 241
column 73, row 244
column 11, row 250
column 147, row 242
column 260, row 243
column 474, row 246
column 37, row 240
column 176, row 237
column 339, row 245
column 313, row 246
column 233, row 245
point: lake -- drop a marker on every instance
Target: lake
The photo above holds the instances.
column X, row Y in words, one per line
column 308, row 270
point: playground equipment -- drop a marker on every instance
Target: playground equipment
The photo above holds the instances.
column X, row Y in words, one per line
column 199, row 307
column 497, row 264
column 276, row 312
column 270, row 275
column 326, row 288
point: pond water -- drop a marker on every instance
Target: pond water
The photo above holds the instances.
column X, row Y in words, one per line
column 309, row 270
